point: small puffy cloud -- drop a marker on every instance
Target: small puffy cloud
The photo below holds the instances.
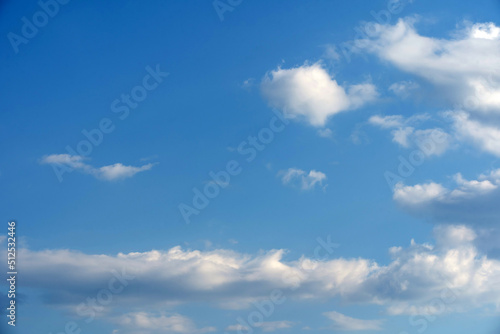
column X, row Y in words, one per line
column 301, row 178
column 309, row 92
column 159, row 323
column 2, row 238
column 67, row 162
column 345, row 323
column 433, row 141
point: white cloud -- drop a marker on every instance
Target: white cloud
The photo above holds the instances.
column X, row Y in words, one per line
column 422, row 193
column 299, row 177
column 464, row 67
column 72, row 161
column 2, row 238
column 453, row 235
column 309, row 92
column 119, row 171
column 159, row 323
column 485, row 31
column 414, row 277
column 434, row 141
column 473, row 201
column 108, row 173
column 345, row 323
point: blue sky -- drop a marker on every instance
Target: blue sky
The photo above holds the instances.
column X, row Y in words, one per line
column 337, row 99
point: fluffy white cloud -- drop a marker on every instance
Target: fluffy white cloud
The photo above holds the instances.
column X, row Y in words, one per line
column 108, row 173
column 345, row 323
column 418, row 194
column 299, row 177
column 149, row 323
column 309, row 92
column 465, row 67
column 433, row 141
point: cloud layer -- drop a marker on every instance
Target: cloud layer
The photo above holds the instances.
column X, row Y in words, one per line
column 408, row 284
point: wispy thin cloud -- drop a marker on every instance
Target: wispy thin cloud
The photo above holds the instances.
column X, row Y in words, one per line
column 113, row 172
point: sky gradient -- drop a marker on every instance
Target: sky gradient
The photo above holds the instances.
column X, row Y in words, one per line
column 251, row 167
